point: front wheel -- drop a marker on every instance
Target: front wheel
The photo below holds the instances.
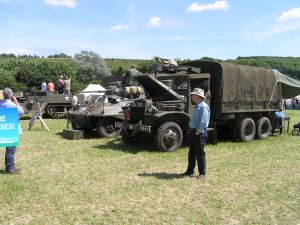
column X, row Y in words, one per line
column 168, row 137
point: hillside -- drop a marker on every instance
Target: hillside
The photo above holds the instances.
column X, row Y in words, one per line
column 286, row 65
column 22, row 73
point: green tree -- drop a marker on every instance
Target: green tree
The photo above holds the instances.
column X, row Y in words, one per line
column 90, row 66
column 146, row 66
column 8, row 80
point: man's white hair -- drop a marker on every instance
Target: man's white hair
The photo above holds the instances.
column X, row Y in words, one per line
column 7, row 93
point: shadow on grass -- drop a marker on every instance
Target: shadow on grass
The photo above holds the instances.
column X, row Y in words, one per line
column 162, row 176
column 87, row 135
column 2, row 171
column 134, row 148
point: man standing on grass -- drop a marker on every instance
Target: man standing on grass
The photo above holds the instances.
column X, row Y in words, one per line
column 198, row 134
column 10, row 101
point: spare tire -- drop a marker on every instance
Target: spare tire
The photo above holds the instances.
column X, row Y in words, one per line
column 106, row 128
column 247, row 130
column 263, row 128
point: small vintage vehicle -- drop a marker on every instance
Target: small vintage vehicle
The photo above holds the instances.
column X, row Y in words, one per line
column 54, row 105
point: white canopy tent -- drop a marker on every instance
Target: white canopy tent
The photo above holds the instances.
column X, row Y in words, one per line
column 93, row 89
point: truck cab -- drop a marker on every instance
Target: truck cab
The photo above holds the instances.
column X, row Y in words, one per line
column 166, row 110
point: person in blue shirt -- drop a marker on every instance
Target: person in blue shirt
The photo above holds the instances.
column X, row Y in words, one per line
column 9, row 101
column 280, row 115
column 44, row 86
column 198, row 134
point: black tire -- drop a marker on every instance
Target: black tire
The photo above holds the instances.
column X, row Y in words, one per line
column 106, row 128
column 168, row 137
column 295, row 132
column 127, row 139
column 247, row 130
column 263, row 128
column 50, row 110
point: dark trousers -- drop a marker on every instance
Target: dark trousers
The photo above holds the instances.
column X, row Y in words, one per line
column 10, row 158
column 197, row 153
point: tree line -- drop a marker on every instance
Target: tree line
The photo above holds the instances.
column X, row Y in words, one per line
column 286, row 65
column 21, row 73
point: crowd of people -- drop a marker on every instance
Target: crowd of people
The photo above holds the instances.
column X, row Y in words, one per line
column 292, row 103
column 63, row 85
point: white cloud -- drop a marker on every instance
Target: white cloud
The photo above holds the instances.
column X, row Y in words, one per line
column 199, row 7
column 155, row 21
column 262, row 33
column 67, row 3
column 290, row 14
column 178, row 37
column 119, row 27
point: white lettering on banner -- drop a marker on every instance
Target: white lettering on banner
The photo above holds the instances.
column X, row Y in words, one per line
column 3, row 118
column 7, row 126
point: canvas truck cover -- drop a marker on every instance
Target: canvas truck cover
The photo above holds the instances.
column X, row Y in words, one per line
column 240, row 88
column 290, row 87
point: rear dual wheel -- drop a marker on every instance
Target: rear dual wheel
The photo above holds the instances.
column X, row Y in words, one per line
column 263, row 128
column 248, row 129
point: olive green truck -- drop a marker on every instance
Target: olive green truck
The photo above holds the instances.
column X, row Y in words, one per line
column 242, row 99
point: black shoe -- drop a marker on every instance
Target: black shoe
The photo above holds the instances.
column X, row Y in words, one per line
column 200, row 177
column 14, row 171
column 187, row 173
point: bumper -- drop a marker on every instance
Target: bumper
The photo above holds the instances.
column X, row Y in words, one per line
column 134, row 127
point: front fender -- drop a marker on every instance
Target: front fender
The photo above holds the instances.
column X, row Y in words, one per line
column 181, row 118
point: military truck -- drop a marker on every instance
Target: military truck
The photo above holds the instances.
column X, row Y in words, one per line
column 54, row 105
column 242, row 100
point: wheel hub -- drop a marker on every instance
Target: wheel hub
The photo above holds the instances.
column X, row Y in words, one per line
column 170, row 138
column 109, row 129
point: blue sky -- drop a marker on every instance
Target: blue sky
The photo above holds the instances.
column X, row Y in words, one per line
column 186, row 29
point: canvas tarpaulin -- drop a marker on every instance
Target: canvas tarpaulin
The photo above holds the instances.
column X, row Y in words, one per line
column 290, row 87
column 248, row 88
column 240, row 87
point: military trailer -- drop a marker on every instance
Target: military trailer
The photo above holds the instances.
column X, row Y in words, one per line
column 98, row 113
column 242, row 100
column 54, row 105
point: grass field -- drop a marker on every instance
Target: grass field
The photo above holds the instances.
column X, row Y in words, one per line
column 102, row 181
